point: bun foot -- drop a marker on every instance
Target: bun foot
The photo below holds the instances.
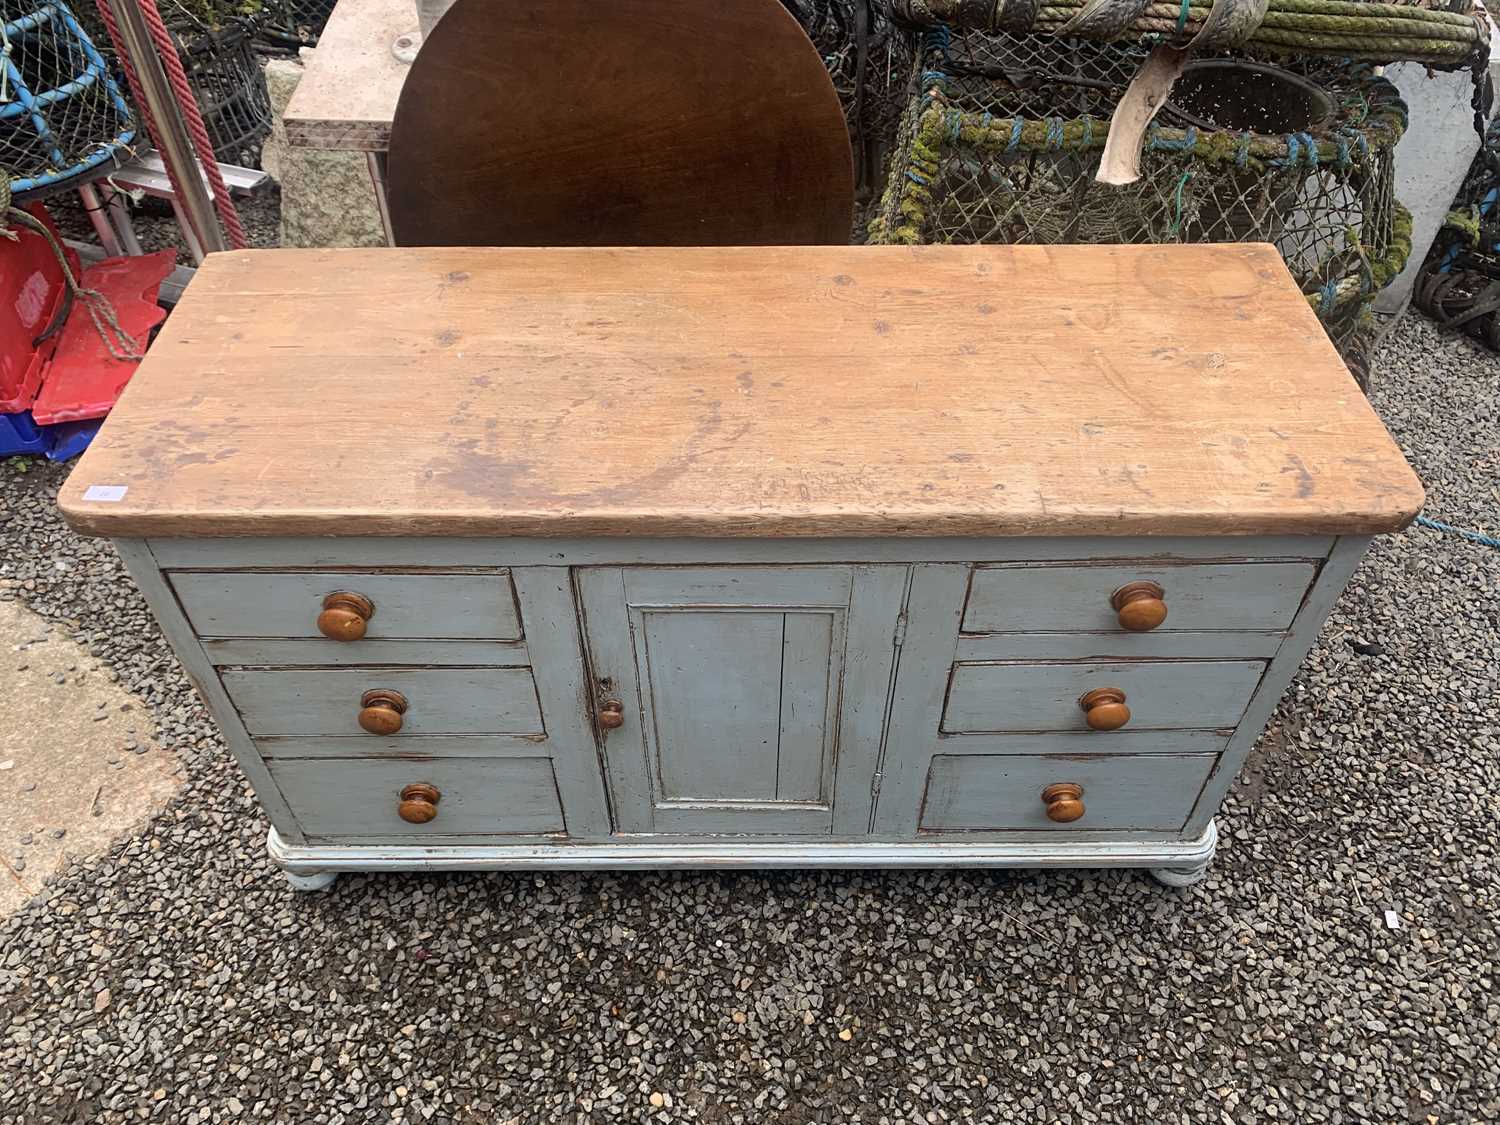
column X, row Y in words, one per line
column 320, row 881
column 1180, row 876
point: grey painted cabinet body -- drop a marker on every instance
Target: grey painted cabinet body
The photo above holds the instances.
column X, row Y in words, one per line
column 757, row 702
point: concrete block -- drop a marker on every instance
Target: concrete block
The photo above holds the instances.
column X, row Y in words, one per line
column 326, row 197
column 1432, row 157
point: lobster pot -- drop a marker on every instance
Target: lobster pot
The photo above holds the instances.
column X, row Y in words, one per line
column 1459, row 284
column 230, row 89
column 869, row 59
column 61, row 113
column 299, row 21
column 1003, row 136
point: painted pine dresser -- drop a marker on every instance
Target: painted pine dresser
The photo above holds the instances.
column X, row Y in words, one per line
column 994, row 556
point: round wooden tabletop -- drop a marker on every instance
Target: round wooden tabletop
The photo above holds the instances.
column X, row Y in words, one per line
column 632, row 122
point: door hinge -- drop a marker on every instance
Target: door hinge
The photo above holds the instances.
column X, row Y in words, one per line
column 875, row 784
column 900, row 637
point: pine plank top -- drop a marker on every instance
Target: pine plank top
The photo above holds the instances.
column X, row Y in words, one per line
column 804, row 391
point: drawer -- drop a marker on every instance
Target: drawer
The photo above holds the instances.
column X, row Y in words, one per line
column 280, row 702
column 406, row 606
column 476, row 796
column 1199, row 597
column 1161, row 695
column 983, row 792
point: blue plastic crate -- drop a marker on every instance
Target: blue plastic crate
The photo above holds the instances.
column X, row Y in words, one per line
column 20, row 434
column 69, row 439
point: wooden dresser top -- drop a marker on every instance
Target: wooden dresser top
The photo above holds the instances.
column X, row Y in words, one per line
column 809, row 391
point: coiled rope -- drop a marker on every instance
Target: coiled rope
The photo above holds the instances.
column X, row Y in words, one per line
column 1379, row 32
column 120, row 344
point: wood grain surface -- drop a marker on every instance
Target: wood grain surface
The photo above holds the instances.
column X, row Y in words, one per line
column 631, row 123
column 803, row 391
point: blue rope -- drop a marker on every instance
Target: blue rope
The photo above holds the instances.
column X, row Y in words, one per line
column 1177, row 218
column 1242, row 150
column 1182, row 16
column 954, row 120
column 1472, row 536
column 917, row 178
column 1184, row 143
column 1088, row 132
column 1015, row 135
column 1055, row 133
column 1329, row 292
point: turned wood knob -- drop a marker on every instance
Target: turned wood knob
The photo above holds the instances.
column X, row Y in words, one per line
column 1139, row 606
column 1064, row 802
column 345, row 616
column 611, row 714
column 380, row 711
column 419, row 803
column 1104, row 708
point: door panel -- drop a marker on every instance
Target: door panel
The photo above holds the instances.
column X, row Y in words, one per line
column 754, row 681
column 731, row 681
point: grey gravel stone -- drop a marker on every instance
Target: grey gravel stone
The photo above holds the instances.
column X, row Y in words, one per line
column 1273, row 991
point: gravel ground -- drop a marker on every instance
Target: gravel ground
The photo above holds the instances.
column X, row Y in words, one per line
column 155, row 228
column 178, row 979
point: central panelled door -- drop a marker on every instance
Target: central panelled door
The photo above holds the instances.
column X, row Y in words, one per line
column 753, row 697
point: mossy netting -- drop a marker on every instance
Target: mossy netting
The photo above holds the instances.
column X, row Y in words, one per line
column 1003, row 137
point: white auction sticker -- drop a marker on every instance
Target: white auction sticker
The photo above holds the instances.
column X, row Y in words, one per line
column 106, row 492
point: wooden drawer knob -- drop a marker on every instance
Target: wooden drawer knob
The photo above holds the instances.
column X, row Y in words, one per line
column 1064, row 802
column 611, row 714
column 419, row 802
column 1140, row 606
column 1104, row 708
column 380, row 711
column 345, row 616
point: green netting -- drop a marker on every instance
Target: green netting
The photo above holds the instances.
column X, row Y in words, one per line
column 1003, row 137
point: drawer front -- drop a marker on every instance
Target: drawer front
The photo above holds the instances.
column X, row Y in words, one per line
column 278, row 702
column 1199, row 598
column 1161, row 695
column 476, row 796
column 407, row 606
column 1143, row 792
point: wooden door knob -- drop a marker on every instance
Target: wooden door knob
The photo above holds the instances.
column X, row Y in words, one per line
column 611, row 714
column 1140, row 606
column 380, row 711
column 1104, row 708
column 1064, row 802
column 419, row 803
column 345, row 616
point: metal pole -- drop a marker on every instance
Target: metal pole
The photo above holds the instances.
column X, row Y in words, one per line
column 197, row 206
column 101, row 220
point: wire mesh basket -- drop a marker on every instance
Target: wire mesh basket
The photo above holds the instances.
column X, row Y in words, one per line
column 294, row 23
column 869, row 59
column 1003, row 137
column 61, row 113
column 230, row 87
